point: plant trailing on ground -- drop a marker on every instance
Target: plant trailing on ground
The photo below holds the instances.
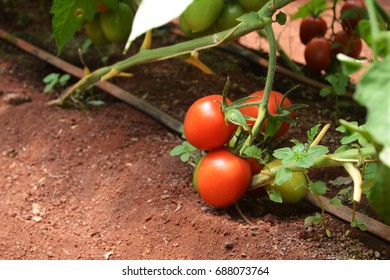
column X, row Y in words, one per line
column 254, row 137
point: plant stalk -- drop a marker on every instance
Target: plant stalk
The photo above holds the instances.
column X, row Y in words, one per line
column 188, row 47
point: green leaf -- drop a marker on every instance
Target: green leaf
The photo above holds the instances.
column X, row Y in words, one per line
column 317, row 218
column 311, row 134
column 309, row 220
column 324, row 92
column 370, row 171
column 185, row 157
column 68, row 18
column 328, row 232
column 281, row 18
column 253, row 152
column 272, row 127
column 236, row 117
column 335, row 201
column 283, row 153
column 317, row 151
column 314, row 7
column 318, row 188
column 360, row 224
column 339, row 82
column 379, row 195
column 283, row 175
column 372, row 91
column 178, row 150
column 274, row 195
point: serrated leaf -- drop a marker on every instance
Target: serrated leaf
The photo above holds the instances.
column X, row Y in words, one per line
column 360, row 224
column 154, row 13
column 283, row 175
column 178, row 150
column 312, row 133
column 317, row 151
column 309, row 220
column 185, row 157
column 253, row 152
column 318, row 188
column 317, row 218
column 283, row 153
column 339, row 82
column 68, row 18
column 314, row 7
column 274, row 195
column 372, row 91
column 335, row 201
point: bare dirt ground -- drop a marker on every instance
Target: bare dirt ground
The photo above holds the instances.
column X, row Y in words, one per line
column 100, row 184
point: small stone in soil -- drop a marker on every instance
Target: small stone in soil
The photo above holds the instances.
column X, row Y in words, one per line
column 16, row 98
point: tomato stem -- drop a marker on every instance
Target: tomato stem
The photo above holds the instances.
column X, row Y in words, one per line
column 263, row 104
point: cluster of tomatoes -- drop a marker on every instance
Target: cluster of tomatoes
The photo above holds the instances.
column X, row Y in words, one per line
column 207, row 17
column 221, row 176
column 319, row 50
column 111, row 25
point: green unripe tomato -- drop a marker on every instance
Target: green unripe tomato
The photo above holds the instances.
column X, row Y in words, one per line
column 200, row 15
column 95, row 31
column 116, row 24
column 228, row 16
column 292, row 190
column 252, row 5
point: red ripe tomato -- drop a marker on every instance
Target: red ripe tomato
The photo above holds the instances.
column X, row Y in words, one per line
column 273, row 103
column 223, row 177
column 204, row 125
column 255, row 166
column 318, row 54
column 311, row 27
column 348, row 43
column 351, row 12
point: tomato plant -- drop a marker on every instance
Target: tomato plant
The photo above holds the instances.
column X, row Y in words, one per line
column 318, row 54
column 223, row 177
column 348, row 43
column 116, row 24
column 311, row 27
column 351, row 13
column 252, row 5
column 292, row 190
column 274, row 106
column 201, row 15
column 204, row 125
